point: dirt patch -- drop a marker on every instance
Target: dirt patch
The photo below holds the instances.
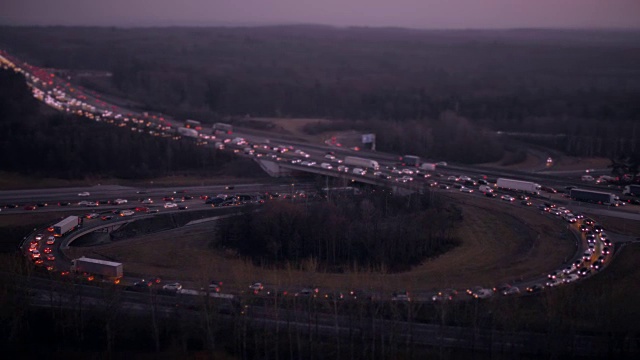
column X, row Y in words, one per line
column 500, row 242
column 295, row 127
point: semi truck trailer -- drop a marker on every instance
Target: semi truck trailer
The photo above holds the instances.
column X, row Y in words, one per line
column 428, row 167
column 103, row 268
column 591, row 196
column 410, row 160
column 361, row 162
column 64, row 226
column 519, row 185
column 188, row 132
column 632, row 190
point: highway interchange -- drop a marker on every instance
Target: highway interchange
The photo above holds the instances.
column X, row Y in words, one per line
column 290, row 155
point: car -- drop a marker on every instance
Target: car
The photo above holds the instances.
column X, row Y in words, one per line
column 548, row 189
column 127, row 213
column 153, row 211
column 597, row 265
column 514, row 290
column 330, row 157
column 584, row 227
column 400, row 296
column 182, row 207
column 444, row 186
column 30, row 207
column 106, row 217
column 554, row 275
column 603, row 236
column 170, row 205
column 407, row 171
column 554, row 282
column 584, row 271
column 490, row 194
column 257, row 286
column 525, row 202
column 343, row 168
column 84, row 193
column 571, row 278
column 141, row 209
column 543, row 207
column 535, row 288
column 606, row 250
column 83, row 203
column 578, row 216
column 586, row 256
column 507, row 198
column 483, row 294
column 473, row 290
column 308, row 292
column 591, row 247
column 91, row 216
column 172, row 287
column 50, row 257
column 35, row 254
column 329, row 166
column 523, row 197
column 502, row 287
column 589, row 221
column 42, row 204
column 598, row 228
column 466, row 190
column 147, row 201
column 39, row 237
column 168, row 198
column 452, row 178
column 51, row 240
column 446, row 294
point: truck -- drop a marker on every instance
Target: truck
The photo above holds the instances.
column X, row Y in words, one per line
column 633, row 190
column 67, row 224
column 592, row 196
column 410, row 160
column 519, row 185
column 428, row 167
column 103, row 268
column 361, row 162
column 188, row 132
column 485, row 188
column 193, row 124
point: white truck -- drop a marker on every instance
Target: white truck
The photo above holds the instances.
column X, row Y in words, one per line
column 64, row 226
column 361, row 162
column 193, row 133
column 428, row 167
column 633, row 190
column 519, row 185
column 103, row 268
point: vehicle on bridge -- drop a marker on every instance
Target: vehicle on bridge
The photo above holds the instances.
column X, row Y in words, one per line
column 633, row 190
column 66, row 225
column 193, row 133
column 410, row 160
column 361, row 162
column 193, row 124
column 222, row 128
column 519, row 185
column 591, row 196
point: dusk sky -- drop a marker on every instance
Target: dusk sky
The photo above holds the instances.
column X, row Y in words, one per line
column 429, row 14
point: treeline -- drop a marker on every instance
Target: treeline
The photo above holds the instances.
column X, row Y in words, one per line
column 542, row 81
column 377, row 231
column 38, row 141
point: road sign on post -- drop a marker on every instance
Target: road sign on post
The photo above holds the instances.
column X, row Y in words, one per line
column 369, row 139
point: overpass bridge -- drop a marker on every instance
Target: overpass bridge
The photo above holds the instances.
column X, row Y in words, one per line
column 281, row 169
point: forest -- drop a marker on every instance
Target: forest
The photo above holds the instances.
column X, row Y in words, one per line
column 376, row 231
column 41, row 142
column 582, row 85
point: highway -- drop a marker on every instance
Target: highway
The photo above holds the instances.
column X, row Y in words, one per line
column 390, row 174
